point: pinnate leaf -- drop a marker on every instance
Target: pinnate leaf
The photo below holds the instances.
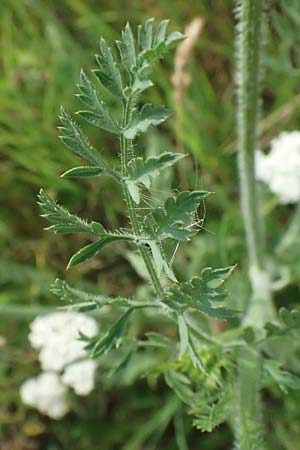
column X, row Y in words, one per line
column 145, row 34
column 83, row 301
column 99, row 116
column 177, row 214
column 108, row 73
column 204, row 293
column 64, row 221
column 141, row 171
column 111, row 339
column 211, row 414
column 127, row 48
column 154, row 45
column 288, row 323
column 282, row 377
column 76, row 141
column 143, row 119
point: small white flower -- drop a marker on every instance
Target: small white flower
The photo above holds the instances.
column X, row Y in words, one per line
column 80, row 376
column 56, row 336
column 280, row 168
column 46, row 393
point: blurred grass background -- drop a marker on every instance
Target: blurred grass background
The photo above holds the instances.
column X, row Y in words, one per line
column 43, row 45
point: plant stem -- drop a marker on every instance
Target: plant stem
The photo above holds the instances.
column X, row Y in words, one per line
column 126, row 154
column 247, row 421
column 250, row 38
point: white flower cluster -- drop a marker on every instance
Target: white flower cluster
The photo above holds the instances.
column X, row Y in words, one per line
column 280, row 168
column 46, row 393
column 64, row 360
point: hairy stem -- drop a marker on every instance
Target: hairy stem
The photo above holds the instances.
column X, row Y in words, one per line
column 247, row 422
column 126, row 154
column 248, row 418
column 250, row 38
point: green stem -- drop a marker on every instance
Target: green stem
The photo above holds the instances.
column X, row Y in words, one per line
column 247, row 421
column 248, row 418
column 251, row 23
column 126, row 154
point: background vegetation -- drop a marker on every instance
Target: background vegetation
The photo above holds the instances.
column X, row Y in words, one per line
column 43, row 44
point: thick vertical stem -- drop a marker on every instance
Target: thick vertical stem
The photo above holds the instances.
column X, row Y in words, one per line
column 248, row 427
column 248, row 73
column 247, row 420
column 125, row 151
column 250, row 38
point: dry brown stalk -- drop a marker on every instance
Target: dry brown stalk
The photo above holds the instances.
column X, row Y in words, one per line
column 181, row 79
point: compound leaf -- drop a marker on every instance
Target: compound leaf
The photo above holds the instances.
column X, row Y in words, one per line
column 145, row 34
column 108, row 73
column 64, row 221
column 99, row 116
column 76, row 141
column 175, row 217
column 127, row 48
column 282, row 377
column 141, row 171
column 153, row 47
column 201, row 293
column 111, row 339
column 143, row 119
column 210, row 415
column 83, row 301
column 288, row 324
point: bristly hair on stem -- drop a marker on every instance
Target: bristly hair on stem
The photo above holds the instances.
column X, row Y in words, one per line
column 250, row 37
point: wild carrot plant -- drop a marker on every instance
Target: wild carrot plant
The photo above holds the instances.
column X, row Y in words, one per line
column 218, row 376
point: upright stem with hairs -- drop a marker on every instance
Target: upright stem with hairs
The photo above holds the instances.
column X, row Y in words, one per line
column 251, row 23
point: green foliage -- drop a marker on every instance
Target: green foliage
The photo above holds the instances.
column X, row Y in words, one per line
column 111, row 339
column 79, row 300
column 153, row 45
column 204, row 293
column 99, row 114
column 174, row 220
column 143, row 119
column 141, row 171
column 64, row 221
column 90, row 250
column 203, row 376
column 288, row 324
column 283, row 378
column 109, row 74
column 74, row 139
column 209, row 393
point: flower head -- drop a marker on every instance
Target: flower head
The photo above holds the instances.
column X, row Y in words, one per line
column 80, row 376
column 63, row 358
column 280, row 168
column 56, row 336
column 46, row 393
